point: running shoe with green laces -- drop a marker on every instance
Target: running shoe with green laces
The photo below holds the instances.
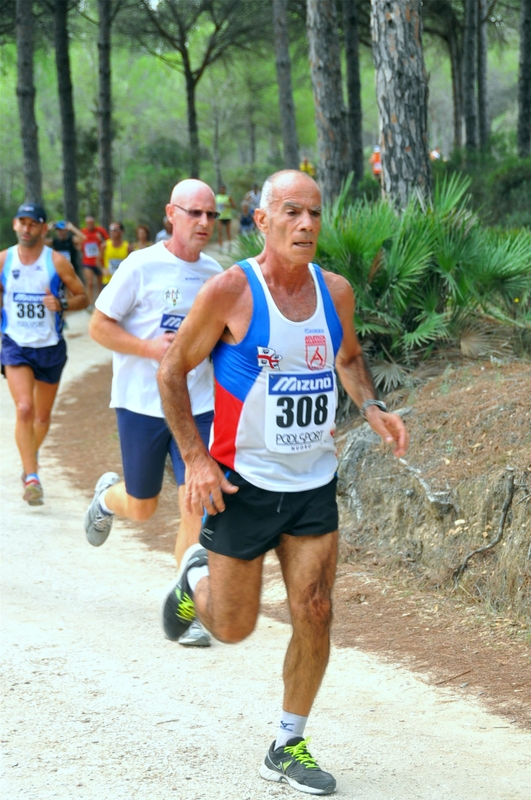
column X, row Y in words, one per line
column 294, row 765
column 178, row 608
column 195, row 636
column 98, row 524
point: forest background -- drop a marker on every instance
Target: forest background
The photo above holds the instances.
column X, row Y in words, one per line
column 239, row 122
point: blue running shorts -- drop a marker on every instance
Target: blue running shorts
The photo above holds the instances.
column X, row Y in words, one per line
column 47, row 363
column 145, row 442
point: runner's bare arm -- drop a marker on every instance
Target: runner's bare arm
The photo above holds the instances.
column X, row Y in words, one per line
column 79, row 236
column 203, row 327
column 109, row 333
column 353, row 372
column 78, row 298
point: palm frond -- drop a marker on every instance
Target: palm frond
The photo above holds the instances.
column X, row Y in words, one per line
column 428, row 330
column 388, row 375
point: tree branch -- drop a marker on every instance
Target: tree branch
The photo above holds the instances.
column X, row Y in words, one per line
column 505, row 510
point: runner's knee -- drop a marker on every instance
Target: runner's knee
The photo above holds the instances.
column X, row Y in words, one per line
column 313, row 608
column 234, row 631
column 25, row 410
column 42, row 417
column 142, row 510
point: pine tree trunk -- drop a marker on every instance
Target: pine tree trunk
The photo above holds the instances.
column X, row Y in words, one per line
column 470, row 106
column 216, row 156
column 105, row 113
column 355, row 116
column 193, row 131
column 66, row 105
column 252, row 142
column 330, row 113
column 524, row 83
column 483, row 97
column 26, row 101
column 402, row 96
column 288, row 126
column 454, row 47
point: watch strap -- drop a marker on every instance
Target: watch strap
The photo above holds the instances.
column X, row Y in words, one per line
column 365, row 405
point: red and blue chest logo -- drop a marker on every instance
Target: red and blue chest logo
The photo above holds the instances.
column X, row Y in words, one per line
column 267, row 357
column 315, row 352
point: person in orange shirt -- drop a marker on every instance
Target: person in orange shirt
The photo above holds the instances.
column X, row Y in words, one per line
column 376, row 163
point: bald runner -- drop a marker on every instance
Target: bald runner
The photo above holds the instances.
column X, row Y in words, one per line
column 279, row 330
column 137, row 317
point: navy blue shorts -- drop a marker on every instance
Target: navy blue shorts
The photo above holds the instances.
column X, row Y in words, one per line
column 145, row 442
column 47, row 363
column 254, row 519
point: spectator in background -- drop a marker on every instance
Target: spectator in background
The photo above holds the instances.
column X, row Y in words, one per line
column 165, row 234
column 115, row 250
column 307, row 167
column 224, row 206
column 68, row 240
column 375, row 162
column 253, row 198
column 95, row 236
column 435, row 154
column 246, row 220
column 143, row 237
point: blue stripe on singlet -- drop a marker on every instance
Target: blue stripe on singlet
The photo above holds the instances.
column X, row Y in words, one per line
column 5, row 275
column 332, row 319
column 236, row 365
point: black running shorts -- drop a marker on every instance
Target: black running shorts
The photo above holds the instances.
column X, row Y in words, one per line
column 254, row 519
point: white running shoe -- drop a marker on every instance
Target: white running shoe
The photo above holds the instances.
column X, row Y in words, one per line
column 195, row 636
column 98, row 524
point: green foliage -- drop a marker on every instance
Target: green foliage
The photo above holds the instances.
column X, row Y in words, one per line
column 500, row 182
column 427, row 277
column 153, row 171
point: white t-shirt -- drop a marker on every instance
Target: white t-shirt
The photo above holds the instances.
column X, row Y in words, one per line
column 151, row 293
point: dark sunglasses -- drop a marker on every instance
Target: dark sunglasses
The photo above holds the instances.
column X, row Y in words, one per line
column 197, row 213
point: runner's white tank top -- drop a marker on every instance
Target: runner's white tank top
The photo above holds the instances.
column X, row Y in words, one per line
column 25, row 318
column 275, row 393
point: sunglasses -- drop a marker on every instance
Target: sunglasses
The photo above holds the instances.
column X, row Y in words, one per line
column 197, row 213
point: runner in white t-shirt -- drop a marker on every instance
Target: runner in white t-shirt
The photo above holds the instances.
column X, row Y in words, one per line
column 137, row 317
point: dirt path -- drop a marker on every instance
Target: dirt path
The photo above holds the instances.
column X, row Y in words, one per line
column 99, row 705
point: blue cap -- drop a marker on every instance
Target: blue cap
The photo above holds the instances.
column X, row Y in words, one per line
column 61, row 225
column 31, row 210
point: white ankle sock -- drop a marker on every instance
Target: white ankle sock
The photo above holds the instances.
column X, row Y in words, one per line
column 194, row 575
column 290, row 725
column 103, row 506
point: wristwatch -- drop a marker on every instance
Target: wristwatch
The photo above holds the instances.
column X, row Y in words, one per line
column 368, row 403
column 64, row 303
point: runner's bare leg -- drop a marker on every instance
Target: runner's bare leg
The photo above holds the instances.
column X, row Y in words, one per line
column 308, row 566
column 21, row 382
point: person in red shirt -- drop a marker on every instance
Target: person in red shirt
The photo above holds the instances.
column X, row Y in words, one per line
column 95, row 237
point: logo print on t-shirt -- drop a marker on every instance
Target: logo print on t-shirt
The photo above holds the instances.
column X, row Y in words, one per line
column 16, row 273
column 172, row 297
column 315, row 352
column 267, row 357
